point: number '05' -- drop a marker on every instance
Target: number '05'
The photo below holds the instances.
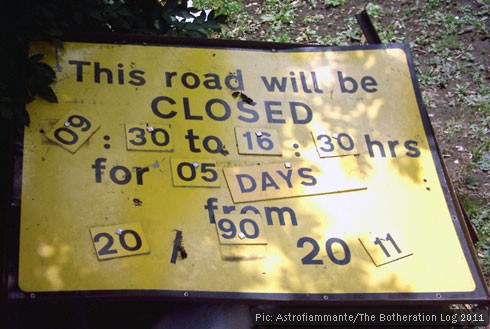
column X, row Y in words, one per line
column 187, row 171
column 309, row 259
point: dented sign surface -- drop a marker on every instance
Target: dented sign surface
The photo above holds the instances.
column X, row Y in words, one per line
column 300, row 174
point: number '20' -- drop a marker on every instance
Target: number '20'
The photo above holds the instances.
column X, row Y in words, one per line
column 309, row 259
column 107, row 248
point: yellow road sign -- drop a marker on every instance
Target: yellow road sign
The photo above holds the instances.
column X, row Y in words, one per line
column 307, row 174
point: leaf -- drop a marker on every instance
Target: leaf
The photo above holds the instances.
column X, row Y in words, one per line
column 36, row 57
column 183, row 13
column 122, row 23
column 99, row 15
column 171, row 5
column 212, row 25
column 78, row 17
column 197, row 32
column 484, row 162
column 211, row 15
column 22, row 116
column 193, row 9
column 201, row 18
column 171, row 20
column 6, row 100
column 268, row 17
column 221, row 19
column 124, row 11
column 27, row 99
column 6, row 111
column 156, row 24
column 48, row 94
column 45, row 71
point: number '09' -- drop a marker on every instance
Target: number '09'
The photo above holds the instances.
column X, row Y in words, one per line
column 66, row 135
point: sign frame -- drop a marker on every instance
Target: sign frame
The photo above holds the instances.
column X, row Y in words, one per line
column 479, row 295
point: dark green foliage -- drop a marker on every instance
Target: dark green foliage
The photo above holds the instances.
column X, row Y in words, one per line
column 6, row 103
column 22, row 78
column 136, row 16
column 38, row 76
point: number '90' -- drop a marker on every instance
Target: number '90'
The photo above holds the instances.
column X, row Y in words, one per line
column 247, row 226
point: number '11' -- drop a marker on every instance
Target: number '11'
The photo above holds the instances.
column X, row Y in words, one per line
column 379, row 242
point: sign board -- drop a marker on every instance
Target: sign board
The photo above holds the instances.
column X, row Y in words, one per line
column 306, row 174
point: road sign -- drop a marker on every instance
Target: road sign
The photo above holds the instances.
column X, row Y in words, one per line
column 302, row 174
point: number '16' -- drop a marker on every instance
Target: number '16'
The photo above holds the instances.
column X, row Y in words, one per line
column 264, row 142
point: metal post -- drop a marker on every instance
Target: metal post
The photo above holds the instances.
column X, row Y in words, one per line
column 367, row 27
